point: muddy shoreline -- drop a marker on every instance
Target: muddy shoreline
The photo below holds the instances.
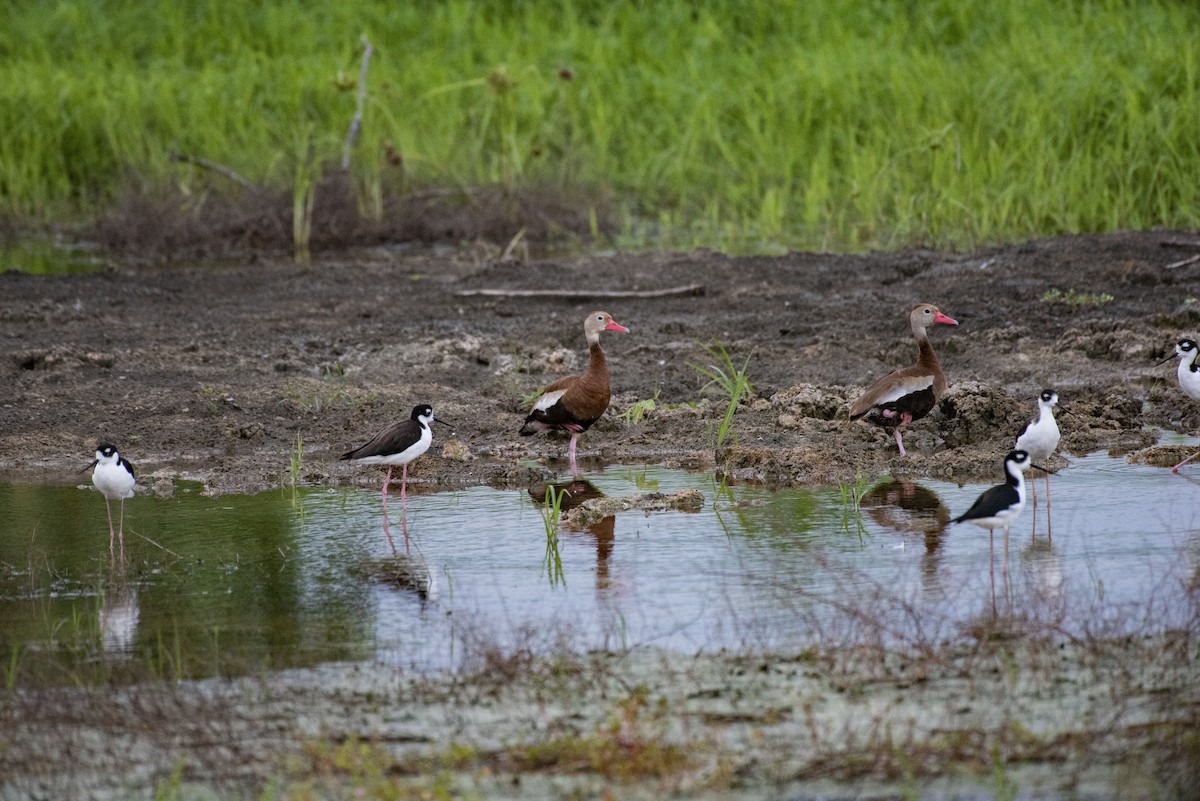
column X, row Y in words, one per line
column 213, row 373
column 1102, row 719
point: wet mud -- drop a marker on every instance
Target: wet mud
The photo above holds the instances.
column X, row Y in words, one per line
column 223, row 372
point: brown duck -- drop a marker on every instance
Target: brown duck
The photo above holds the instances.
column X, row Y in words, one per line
column 575, row 402
column 905, row 395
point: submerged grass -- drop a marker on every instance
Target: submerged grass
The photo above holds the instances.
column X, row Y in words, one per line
column 744, row 125
column 551, row 514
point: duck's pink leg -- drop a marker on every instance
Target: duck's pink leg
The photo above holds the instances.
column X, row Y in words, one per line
column 571, row 455
column 905, row 419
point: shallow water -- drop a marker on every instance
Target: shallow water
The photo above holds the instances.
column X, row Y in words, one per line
column 285, row 579
column 41, row 256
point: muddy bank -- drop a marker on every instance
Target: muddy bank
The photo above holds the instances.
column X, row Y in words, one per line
column 1101, row 719
column 215, row 372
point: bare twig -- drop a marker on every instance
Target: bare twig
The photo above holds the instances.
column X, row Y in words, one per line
column 220, row 169
column 690, row 289
column 356, row 123
column 159, row 545
column 1179, row 243
column 1184, row 263
column 507, row 255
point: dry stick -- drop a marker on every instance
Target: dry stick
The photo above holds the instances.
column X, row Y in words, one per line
column 220, row 169
column 690, row 289
column 356, row 123
column 516, row 240
column 159, row 545
column 1183, row 263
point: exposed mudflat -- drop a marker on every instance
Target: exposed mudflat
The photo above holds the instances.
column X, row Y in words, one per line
column 1004, row 720
column 213, row 372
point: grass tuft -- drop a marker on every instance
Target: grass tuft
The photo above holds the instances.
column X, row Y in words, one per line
column 638, row 411
column 1073, row 298
column 551, row 513
column 726, row 381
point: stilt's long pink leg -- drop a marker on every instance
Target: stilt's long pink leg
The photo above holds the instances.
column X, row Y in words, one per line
column 1049, row 535
column 992, row 568
column 1175, row 469
column 404, row 505
column 111, row 532
column 387, row 532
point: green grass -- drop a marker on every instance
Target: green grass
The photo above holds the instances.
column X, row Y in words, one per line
column 1073, row 298
column 638, row 410
column 728, row 382
column 851, row 501
column 748, row 126
column 551, row 514
column 296, row 458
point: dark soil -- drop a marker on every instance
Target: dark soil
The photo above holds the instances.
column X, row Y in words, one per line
column 215, row 372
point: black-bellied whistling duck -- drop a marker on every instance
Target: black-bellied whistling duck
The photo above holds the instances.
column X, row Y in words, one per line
column 902, row 396
column 398, row 444
column 575, row 402
column 114, row 478
column 1189, row 378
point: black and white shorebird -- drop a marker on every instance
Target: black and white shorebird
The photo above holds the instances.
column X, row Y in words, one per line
column 114, row 477
column 398, row 444
column 1000, row 505
column 1189, row 378
column 1039, row 438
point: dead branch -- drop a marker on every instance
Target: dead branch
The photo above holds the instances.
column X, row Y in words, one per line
column 219, row 169
column 690, row 289
column 1184, row 263
column 356, row 123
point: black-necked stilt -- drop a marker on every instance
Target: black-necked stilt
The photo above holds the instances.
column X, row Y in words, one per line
column 114, row 477
column 398, row 444
column 1039, row 438
column 1000, row 505
column 1189, row 378
column 902, row 396
column 575, row 402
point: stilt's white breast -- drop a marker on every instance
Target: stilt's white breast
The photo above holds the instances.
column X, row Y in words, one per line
column 112, row 479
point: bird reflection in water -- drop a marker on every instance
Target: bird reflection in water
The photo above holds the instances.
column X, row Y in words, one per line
column 574, row 493
column 119, row 615
column 407, row 572
column 909, row 508
column 1044, row 569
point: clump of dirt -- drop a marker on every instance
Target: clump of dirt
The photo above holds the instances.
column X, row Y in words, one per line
column 595, row 509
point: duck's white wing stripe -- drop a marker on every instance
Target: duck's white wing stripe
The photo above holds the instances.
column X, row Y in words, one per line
column 549, row 399
column 905, row 387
